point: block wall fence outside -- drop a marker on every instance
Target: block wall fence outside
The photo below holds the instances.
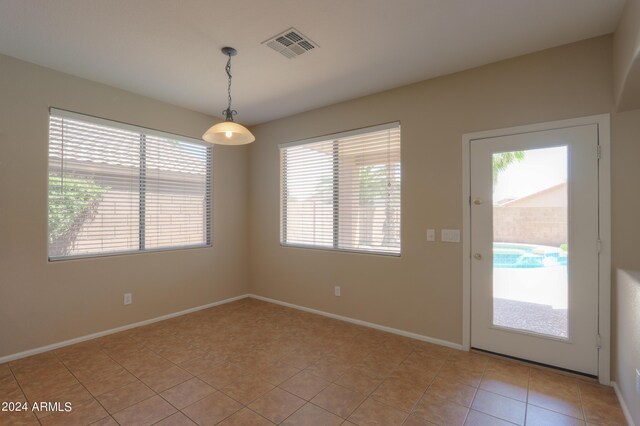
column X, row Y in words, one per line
column 533, row 225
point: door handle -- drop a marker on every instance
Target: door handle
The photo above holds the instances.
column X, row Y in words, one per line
column 477, row 201
column 477, row 256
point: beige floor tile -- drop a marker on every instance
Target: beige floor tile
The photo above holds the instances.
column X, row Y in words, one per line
column 18, row 418
column 372, row 412
column 537, row 416
column 13, row 393
column 110, row 382
column 423, row 361
column 166, row 379
column 107, row 421
column 49, row 388
column 145, row 363
column 358, row 381
column 187, row 393
column 338, row 400
column 499, row 406
column 440, row 411
column 328, row 369
column 212, row 409
column 86, row 413
column 222, row 375
column 8, row 383
column 415, row 420
column 559, row 399
column 462, row 372
column 245, row 417
column 376, row 368
column 176, row 419
column 452, row 391
column 300, row 359
column 247, row 389
column 126, row 396
column 476, row 418
column 398, row 394
column 311, row 415
column 201, row 365
column 178, row 354
column 418, row 378
column 5, row 370
column 146, row 412
column 277, row 405
column 305, row 385
column 506, row 383
column 433, row 350
column 75, row 395
column 600, row 404
column 276, row 373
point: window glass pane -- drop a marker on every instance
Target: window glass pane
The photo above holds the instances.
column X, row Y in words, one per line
column 530, row 236
column 309, row 195
column 176, row 201
column 344, row 192
column 93, row 189
column 369, row 193
column 118, row 189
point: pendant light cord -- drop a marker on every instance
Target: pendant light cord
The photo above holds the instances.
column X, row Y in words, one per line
column 229, row 113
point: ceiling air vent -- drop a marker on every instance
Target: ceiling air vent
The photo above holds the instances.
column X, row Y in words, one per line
column 290, row 43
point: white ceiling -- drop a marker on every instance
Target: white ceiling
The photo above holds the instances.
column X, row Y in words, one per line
column 169, row 49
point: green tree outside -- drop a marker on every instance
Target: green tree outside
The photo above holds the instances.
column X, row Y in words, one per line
column 70, row 200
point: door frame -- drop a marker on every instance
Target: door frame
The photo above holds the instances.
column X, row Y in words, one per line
column 604, row 225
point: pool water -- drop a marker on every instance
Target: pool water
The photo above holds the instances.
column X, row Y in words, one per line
column 510, row 255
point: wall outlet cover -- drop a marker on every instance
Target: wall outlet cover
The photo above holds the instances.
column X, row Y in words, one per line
column 431, row 234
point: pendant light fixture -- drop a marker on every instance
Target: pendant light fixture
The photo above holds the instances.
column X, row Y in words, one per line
column 229, row 132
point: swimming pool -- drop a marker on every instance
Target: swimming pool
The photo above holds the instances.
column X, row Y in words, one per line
column 512, row 255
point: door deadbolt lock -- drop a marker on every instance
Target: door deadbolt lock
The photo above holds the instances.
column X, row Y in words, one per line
column 477, row 256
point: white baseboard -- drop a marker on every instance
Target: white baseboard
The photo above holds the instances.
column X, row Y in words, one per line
column 362, row 323
column 53, row 346
column 623, row 404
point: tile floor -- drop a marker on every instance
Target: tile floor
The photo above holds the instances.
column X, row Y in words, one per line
column 255, row 363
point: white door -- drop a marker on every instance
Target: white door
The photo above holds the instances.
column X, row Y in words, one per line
column 534, row 246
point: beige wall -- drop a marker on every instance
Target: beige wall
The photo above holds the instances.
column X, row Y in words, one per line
column 625, row 211
column 43, row 303
column 421, row 291
column 625, row 198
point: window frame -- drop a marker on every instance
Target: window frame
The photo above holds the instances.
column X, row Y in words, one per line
column 335, row 186
column 143, row 133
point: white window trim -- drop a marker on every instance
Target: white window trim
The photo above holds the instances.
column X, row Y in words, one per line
column 339, row 135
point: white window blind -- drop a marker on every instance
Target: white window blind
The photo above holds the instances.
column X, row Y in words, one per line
column 117, row 188
column 342, row 191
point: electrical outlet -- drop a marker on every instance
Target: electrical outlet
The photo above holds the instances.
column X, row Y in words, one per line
column 336, row 291
column 431, row 234
column 127, row 298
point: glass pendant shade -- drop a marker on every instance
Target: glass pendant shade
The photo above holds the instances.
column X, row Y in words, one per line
column 228, row 133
